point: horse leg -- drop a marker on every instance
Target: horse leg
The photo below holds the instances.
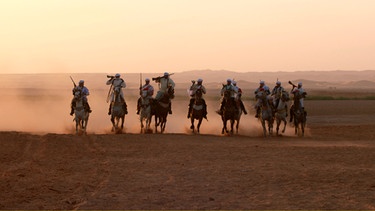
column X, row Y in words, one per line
column 303, row 128
column 147, row 123
column 270, row 126
column 85, row 126
column 237, row 125
column 264, row 128
column 284, row 120
column 231, row 126
column 122, row 122
column 192, row 123
column 77, row 125
column 278, row 122
column 163, row 126
column 199, row 124
column 161, row 122
column 113, row 123
column 224, row 127
column 141, row 120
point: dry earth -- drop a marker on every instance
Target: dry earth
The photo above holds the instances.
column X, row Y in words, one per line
column 332, row 167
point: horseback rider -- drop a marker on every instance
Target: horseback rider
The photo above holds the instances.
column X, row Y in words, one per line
column 262, row 89
column 233, row 92
column 302, row 93
column 117, row 82
column 165, row 84
column 238, row 97
column 84, row 92
column 276, row 94
column 146, row 90
column 193, row 89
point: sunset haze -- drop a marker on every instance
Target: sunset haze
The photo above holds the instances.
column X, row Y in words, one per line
column 97, row 36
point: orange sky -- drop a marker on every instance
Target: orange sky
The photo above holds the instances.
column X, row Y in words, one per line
column 50, row 36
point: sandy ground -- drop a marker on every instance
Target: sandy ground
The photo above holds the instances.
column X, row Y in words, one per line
column 332, row 167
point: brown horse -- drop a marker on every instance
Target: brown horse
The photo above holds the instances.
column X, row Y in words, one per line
column 160, row 109
column 197, row 111
column 299, row 115
column 229, row 112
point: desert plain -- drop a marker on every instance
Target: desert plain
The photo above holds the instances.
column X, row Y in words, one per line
column 44, row 165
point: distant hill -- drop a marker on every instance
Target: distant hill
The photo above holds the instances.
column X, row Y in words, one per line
column 212, row 79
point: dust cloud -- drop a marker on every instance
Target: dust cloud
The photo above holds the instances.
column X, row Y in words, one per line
column 46, row 110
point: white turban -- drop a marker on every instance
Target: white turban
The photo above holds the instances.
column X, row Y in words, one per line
column 261, row 82
column 299, row 83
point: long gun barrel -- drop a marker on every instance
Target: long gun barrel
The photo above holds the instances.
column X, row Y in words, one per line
column 159, row 77
column 74, row 83
column 291, row 83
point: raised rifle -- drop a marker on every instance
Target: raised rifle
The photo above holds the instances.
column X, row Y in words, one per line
column 291, row 83
column 110, row 88
column 140, row 81
column 159, row 77
column 74, row 83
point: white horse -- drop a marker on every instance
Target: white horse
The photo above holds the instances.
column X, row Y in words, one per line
column 282, row 111
column 145, row 113
column 266, row 113
column 118, row 111
column 80, row 115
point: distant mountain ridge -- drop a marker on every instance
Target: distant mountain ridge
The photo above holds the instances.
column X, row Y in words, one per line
column 211, row 78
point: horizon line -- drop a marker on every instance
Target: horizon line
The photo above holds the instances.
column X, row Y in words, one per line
column 36, row 73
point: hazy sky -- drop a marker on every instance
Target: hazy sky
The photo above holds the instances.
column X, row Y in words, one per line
column 42, row 36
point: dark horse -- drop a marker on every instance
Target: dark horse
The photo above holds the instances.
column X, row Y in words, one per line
column 197, row 111
column 160, row 109
column 299, row 115
column 230, row 112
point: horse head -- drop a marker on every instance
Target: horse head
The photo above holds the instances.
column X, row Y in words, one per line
column 263, row 97
column 198, row 95
column 227, row 94
column 284, row 96
column 296, row 100
column 170, row 92
column 144, row 94
column 77, row 94
column 116, row 92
